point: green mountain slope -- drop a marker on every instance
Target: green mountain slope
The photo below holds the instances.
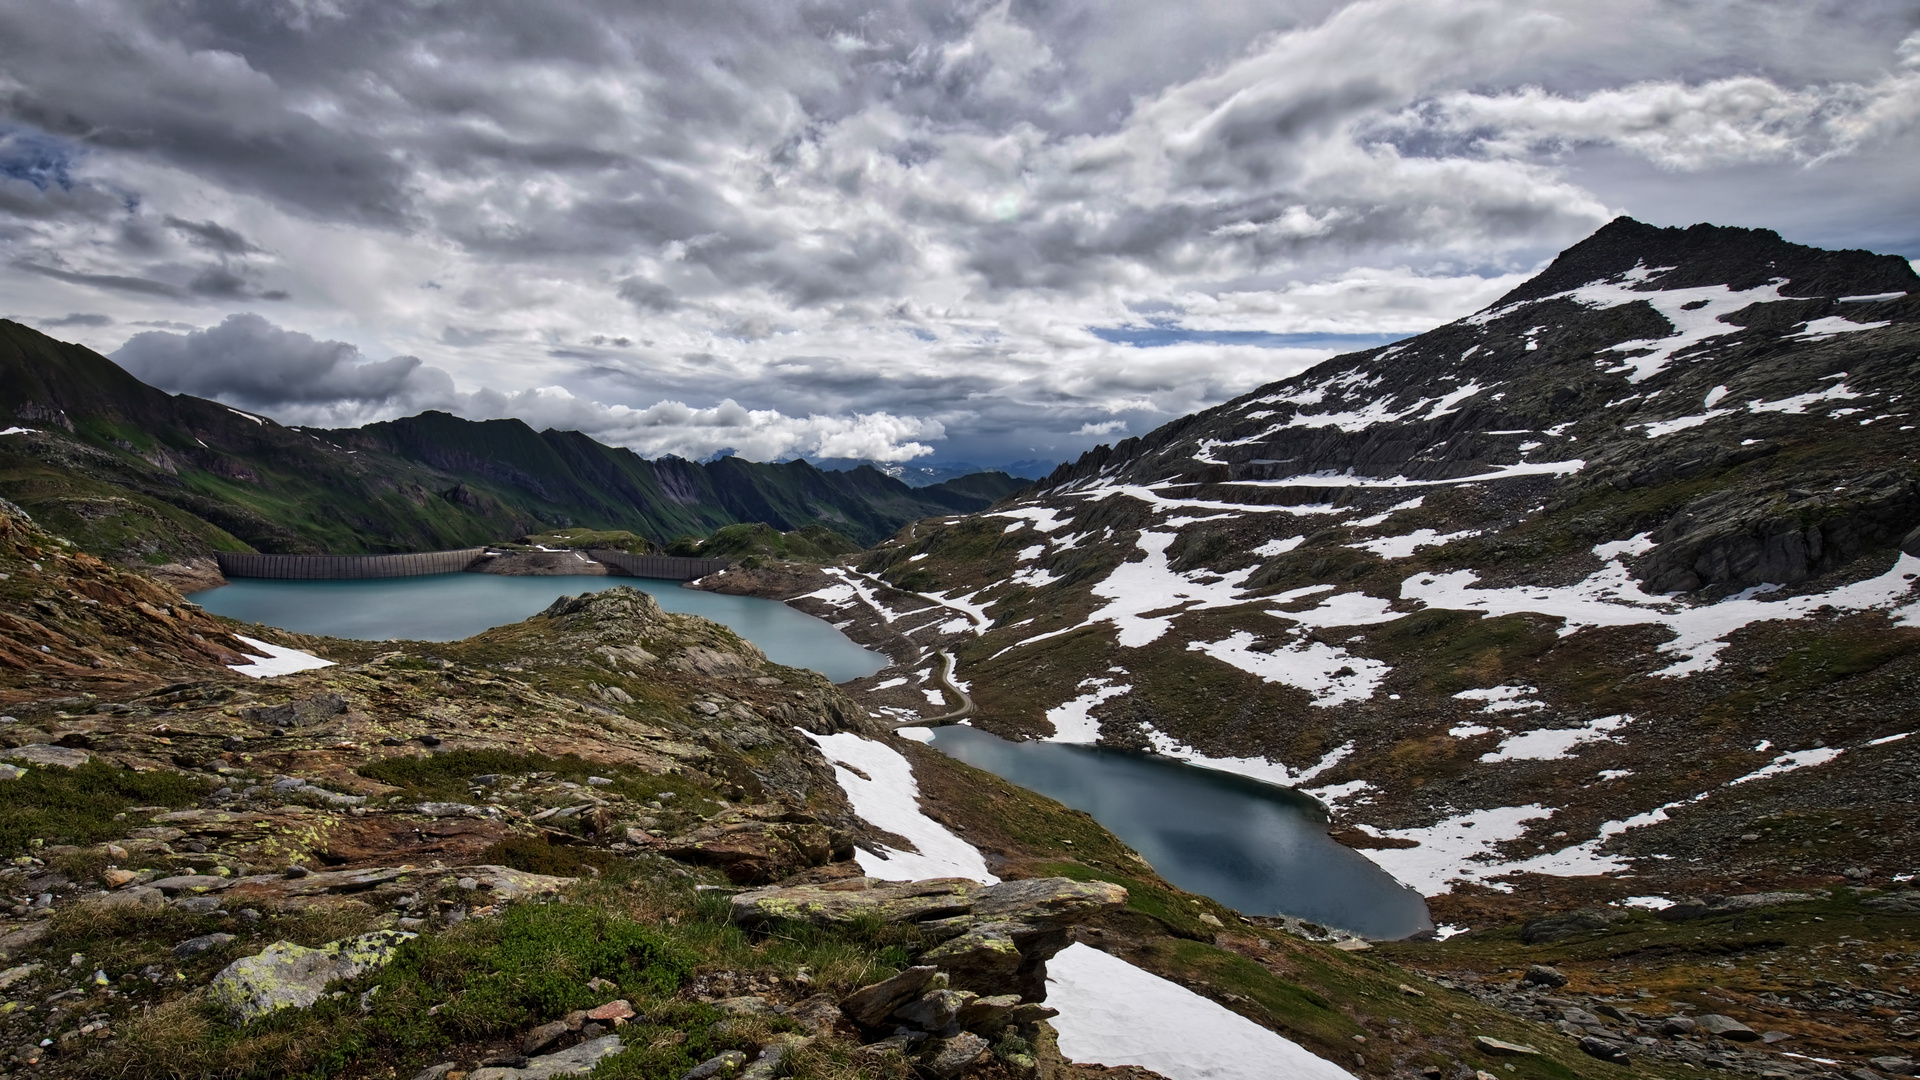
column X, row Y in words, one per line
column 141, row 475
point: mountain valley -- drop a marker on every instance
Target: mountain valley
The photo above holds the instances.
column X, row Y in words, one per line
column 1591, row 616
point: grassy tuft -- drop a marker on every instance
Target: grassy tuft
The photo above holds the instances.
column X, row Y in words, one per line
column 78, row 805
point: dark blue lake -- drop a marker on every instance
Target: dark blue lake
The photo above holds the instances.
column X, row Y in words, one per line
column 1257, row 848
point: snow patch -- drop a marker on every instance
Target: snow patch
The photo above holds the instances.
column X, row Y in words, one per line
column 1347, row 479
column 1609, row 597
column 1044, row 518
column 1134, row 590
column 276, row 660
column 1331, row 674
column 1267, row 550
column 1501, row 699
column 1554, row 744
column 1073, row 721
column 1800, row 403
column 1833, row 326
column 1411, row 504
column 889, row 799
column 1400, row 547
column 1112, row 1013
column 20, row 431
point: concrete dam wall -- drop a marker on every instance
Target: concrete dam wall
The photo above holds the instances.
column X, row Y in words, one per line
column 415, row 564
column 670, row 567
column 346, row 567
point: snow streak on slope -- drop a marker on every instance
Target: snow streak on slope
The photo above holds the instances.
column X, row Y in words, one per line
column 1610, row 597
column 1332, row 675
column 1136, row 590
column 888, row 797
column 1112, row 1013
column 1461, row 847
column 1073, row 720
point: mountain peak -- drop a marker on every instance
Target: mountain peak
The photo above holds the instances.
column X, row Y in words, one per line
column 1701, row 255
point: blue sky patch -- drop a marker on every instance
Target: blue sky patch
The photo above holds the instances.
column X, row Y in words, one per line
column 1157, row 335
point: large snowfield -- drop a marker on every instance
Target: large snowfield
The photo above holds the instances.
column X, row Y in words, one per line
column 1112, row 1013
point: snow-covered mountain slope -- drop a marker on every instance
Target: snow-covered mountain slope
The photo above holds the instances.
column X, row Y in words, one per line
column 1605, row 579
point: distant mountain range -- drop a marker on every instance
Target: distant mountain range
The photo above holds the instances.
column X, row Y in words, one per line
column 928, row 473
column 134, row 473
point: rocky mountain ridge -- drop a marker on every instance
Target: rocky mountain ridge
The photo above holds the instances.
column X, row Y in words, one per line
column 1602, row 598
column 144, row 477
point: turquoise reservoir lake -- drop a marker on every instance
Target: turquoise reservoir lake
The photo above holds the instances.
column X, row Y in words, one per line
column 1255, row 847
column 448, row 607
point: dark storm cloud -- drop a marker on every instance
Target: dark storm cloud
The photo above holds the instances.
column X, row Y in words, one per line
column 116, row 282
column 248, row 361
column 77, row 319
column 213, row 236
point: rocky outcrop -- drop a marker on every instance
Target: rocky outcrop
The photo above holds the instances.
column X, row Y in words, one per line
column 289, row 976
column 754, row 847
column 976, row 992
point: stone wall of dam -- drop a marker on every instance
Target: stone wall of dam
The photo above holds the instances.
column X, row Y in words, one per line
column 346, row 567
column 669, row 567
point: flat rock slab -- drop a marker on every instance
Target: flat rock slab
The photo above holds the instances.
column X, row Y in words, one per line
column 1726, row 1027
column 503, row 883
column 190, row 884
column 573, row 1061
column 1500, row 1046
column 1040, row 902
column 289, row 976
column 49, row 754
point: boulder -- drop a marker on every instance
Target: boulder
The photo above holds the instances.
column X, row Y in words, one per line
column 573, row 1061
column 1726, row 1027
column 842, row 901
column 190, row 884
column 543, row 1036
column 1604, row 1049
column 870, row 1005
column 48, row 754
column 935, row 1009
column 302, row 713
column 1694, row 908
column 1542, row 975
column 819, row 1014
column 954, row 1055
column 998, row 938
column 139, row 896
column 1053, row 903
column 753, row 852
column 203, row 943
column 1904, row 902
column 286, row 975
column 722, row 1065
column 1568, row 924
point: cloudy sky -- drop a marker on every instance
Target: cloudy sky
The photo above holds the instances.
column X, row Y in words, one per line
column 977, row 231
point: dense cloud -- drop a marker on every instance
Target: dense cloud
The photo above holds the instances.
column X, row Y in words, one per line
column 249, row 362
column 885, row 229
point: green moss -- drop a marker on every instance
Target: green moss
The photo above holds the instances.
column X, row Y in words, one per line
column 78, row 805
